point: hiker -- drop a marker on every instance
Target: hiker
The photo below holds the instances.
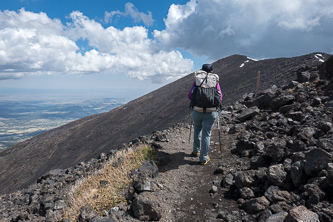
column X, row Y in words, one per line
column 204, row 113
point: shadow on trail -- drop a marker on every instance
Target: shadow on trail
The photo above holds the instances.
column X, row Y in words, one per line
column 168, row 161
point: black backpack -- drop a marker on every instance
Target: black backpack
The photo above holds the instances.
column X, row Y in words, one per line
column 205, row 94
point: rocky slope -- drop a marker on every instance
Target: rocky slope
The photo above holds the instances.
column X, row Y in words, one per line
column 276, row 165
column 86, row 138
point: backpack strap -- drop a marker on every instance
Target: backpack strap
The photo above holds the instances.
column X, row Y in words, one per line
column 204, row 79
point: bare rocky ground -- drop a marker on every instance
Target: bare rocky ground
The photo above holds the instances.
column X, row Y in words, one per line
column 188, row 186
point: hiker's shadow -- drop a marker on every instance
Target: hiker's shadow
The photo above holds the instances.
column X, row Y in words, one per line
column 166, row 161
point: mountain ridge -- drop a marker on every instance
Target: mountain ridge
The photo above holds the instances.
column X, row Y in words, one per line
column 85, row 138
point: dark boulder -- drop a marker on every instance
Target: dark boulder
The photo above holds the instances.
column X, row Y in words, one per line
column 316, row 160
column 275, row 195
column 296, row 145
column 275, row 149
column 149, row 168
column 303, row 76
column 256, row 162
column 262, row 101
column 245, row 178
column 142, row 179
column 326, row 69
column 325, row 126
column 276, row 175
column 297, row 173
column 246, row 193
column 281, row 100
column 248, row 113
column 314, row 194
column 146, row 207
column 301, row 213
column 244, row 144
column 255, row 205
column 228, row 180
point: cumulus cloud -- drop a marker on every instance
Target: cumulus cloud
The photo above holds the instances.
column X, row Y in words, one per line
column 33, row 44
column 254, row 28
column 133, row 12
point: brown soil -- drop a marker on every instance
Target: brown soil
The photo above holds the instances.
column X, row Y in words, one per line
column 185, row 191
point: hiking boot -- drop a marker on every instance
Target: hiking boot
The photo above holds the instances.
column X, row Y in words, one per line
column 204, row 163
column 195, row 154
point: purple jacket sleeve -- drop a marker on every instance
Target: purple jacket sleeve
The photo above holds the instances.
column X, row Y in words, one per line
column 219, row 89
column 189, row 95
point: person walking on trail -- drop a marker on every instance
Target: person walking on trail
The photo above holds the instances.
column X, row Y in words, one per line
column 206, row 97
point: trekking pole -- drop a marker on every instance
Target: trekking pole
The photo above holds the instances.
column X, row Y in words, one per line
column 219, row 129
column 189, row 137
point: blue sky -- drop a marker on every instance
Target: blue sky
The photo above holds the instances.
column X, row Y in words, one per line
column 144, row 44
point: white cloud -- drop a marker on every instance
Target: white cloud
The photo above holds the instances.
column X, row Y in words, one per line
column 257, row 28
column 133, row 12
column 33, row 44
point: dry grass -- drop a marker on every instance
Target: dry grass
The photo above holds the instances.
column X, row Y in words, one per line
column 117, row 173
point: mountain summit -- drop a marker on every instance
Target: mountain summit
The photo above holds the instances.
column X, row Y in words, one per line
column 86, row 138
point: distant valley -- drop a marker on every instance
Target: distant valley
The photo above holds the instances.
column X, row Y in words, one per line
column 21, row 120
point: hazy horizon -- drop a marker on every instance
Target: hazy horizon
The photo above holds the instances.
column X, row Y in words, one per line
column 27, row 113
column 31, row 94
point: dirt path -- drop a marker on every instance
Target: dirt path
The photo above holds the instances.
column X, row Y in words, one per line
column 186, row 186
